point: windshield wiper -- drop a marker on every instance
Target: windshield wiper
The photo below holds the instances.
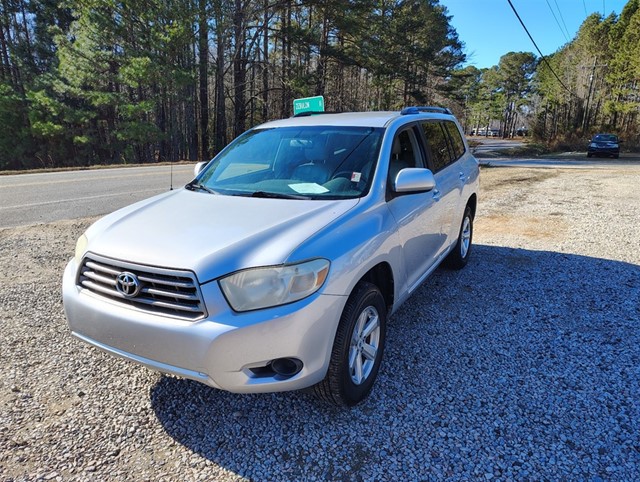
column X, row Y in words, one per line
column 193, row 186
column 278, row 195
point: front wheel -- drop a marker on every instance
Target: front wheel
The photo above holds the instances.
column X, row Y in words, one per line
column 357, row 348
column 459, row 256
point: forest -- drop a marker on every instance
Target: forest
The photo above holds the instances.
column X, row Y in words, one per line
column 86, row 82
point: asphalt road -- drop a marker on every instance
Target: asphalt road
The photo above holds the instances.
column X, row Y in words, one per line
column 631, row 164
column 489, row 144
column 488, row 147
column 47, row 197
column 27, row 199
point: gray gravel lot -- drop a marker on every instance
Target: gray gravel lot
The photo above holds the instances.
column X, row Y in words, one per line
column 523, row 366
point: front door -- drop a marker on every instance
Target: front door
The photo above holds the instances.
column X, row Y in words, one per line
column 418, row 215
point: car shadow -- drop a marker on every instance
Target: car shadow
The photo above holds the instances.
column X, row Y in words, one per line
column 524, row 365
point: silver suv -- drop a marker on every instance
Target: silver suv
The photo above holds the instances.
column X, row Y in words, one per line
column 279, row 265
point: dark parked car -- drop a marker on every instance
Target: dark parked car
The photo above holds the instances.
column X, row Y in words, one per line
column 604, row 145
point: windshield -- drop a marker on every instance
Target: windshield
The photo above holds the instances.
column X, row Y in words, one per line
column 605, row 138
column 318, row 162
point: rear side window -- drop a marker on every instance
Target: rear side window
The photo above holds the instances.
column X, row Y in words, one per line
column 457, row 143
column 438, row 144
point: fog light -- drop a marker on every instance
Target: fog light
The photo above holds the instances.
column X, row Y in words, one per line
column 286, row 367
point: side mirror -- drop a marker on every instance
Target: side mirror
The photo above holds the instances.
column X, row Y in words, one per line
column 198, row 167
column 414, row 179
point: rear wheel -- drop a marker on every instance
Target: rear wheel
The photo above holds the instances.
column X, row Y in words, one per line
column 459, row 256
column 357, row 348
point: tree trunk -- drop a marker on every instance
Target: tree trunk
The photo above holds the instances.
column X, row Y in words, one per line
column 265, row 63
column 203, row 68
column 5, row 65
column 239, row 70
column 220, row 139
column 321, row 71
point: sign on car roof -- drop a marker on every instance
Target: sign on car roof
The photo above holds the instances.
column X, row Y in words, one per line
column 308, row 104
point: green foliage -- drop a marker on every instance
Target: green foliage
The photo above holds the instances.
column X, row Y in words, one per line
column 499, row 95
column 98, row 81
column 136, row 71
column 601, row 70
column 515, row 71
column 13, row 135
column 410, row 48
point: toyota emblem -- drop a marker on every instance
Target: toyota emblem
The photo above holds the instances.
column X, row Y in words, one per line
column 128, row 284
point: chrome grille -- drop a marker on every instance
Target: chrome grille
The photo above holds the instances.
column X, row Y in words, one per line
column 162, row 291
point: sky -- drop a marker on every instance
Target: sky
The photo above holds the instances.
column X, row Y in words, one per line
column 490, row 29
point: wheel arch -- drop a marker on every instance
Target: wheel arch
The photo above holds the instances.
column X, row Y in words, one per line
column 473, row 203
column 381, row 275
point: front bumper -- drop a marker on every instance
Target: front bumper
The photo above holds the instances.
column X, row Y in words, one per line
column 603, row 151
column 219, row 350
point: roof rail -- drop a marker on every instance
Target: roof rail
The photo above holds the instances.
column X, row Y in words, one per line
column 425, row 108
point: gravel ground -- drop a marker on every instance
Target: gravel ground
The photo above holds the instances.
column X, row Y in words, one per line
column 523, row 366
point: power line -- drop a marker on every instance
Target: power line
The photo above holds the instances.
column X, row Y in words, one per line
column 561, row 17
column 586, row 14
column 538, row 49
column 556, row 19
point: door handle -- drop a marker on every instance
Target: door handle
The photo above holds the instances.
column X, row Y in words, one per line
column 436, row 195
column 462, row 177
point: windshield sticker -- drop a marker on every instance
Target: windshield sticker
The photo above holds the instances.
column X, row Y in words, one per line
column 308, row 188
column 355, row 176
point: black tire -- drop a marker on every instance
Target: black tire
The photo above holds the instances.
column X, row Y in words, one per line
column 365, row 308
column 588, row 154
column 459, row 256
column 616, row 156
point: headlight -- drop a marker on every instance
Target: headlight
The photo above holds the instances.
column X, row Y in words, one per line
column 593, row 145
column 81, row 247
column 257, row 288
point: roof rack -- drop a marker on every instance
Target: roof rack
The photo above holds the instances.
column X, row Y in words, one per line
column 425, row 108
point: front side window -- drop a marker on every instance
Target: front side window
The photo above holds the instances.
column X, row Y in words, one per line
column 405, row 152
column 314, row 162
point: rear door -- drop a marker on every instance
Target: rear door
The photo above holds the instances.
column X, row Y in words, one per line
column 444, row 154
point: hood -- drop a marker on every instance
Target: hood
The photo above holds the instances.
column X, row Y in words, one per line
column 212, row 235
